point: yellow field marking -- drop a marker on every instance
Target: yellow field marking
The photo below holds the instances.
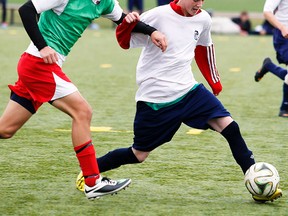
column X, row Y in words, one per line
column 235, row 69
column 97, row 34
column 105, row 65
column 97, row 129
column 12, row 32
column 194, row 131
column 100, row 129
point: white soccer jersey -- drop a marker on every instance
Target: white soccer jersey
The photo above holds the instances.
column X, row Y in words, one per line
column 165, row 76
column 280, row 8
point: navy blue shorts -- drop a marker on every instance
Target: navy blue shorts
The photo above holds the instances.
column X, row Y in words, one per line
column 153, row 128
column 280, row 46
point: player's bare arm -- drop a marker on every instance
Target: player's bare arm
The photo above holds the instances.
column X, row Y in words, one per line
column 273, row 21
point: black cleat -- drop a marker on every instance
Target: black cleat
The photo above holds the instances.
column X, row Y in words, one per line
column 283, row 113
column 263, row 70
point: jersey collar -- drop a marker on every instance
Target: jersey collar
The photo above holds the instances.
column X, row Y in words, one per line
column 178, row 8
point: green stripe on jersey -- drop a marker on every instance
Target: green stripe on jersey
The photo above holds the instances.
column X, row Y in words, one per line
column 157, row 106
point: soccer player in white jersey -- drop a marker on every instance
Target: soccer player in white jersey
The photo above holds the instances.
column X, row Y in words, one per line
column 41, row 79
column 168, row 94
column 276, row 13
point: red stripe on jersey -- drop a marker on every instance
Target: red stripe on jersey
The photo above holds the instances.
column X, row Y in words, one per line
column 206, row 61
column 212, row 64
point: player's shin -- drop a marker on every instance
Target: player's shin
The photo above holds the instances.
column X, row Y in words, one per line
column 87, row 160
column 243, row 156
column 116, row 158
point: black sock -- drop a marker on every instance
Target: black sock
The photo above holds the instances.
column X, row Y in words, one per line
column 116, row 158
column 243, row 156
column 284, row 105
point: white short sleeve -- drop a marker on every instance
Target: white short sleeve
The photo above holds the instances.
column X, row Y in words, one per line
column 44, row 5
column 116, row 13
column 271, row 5
column 205, row 37
column 138, row 40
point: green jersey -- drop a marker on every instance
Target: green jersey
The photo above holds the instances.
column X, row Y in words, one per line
column 62, row 22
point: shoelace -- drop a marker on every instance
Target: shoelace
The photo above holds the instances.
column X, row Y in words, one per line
column 109, row 181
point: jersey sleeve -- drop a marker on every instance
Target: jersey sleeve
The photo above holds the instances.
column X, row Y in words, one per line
column 205, row 37
column 116, row 12
column 271, row 5
column 44, row 5
column 206, row 61
column 128, row 39
column 141, row 40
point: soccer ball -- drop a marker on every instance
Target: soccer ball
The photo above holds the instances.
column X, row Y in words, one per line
column 262, row 179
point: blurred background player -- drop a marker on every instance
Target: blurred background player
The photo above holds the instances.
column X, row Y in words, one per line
column 168, row 94
column 243, row 21
column 264, row 29
column 276, row 13
column 4, row 13
column 135, row 5
column 41, row 79
column 163, row 2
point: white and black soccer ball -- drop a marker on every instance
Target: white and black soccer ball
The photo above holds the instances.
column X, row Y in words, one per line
column 262, row 179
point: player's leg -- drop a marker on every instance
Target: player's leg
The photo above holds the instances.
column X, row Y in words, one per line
column 151, row 129
column 284, row 105
column 230, row 130
column 15, row 115
column 281, row 47
column 203, row 110
column 269, row 66
column 139, row 6
column 81, row 113
column 130, row 5
column 243, row 156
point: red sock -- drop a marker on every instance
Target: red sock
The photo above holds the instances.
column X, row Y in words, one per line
column 87, row 159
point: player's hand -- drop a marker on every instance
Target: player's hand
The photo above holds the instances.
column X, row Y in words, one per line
column 284, row 32
column 132, row 17
column 159, row 40
column 49, row 55
column 216, row 88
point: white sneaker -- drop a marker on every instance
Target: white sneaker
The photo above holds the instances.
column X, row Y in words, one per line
column 105, row 186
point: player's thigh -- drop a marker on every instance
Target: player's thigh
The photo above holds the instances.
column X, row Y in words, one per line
column 202, row 107
column 74, row 105
column 13, row 118
column 281, row 47
column 153, row 128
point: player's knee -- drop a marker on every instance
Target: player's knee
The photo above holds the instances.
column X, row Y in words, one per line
column 141, row 156
column 286, row 79
column 84, row 113
column 6, row 133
